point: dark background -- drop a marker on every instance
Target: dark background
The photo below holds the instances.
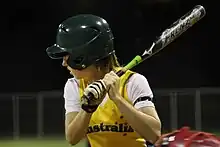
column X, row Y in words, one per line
column 29, row 27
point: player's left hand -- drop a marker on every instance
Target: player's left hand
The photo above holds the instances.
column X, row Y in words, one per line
column 112, row 82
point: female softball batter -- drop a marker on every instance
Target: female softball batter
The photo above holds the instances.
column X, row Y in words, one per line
column 121, row 109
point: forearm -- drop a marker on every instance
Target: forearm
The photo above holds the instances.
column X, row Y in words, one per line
column 77, row 129
column 145, row 125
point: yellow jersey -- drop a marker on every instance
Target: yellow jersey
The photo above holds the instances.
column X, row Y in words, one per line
column 108, row 127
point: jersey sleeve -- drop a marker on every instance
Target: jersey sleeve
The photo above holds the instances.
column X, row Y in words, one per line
column 71, row 96
column 138, row 87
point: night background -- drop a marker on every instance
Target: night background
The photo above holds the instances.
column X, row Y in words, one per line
column 29, row 27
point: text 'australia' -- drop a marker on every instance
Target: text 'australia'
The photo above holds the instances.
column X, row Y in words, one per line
column 110, row 128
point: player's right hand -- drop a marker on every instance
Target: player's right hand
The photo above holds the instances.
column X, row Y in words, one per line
column 93, row 96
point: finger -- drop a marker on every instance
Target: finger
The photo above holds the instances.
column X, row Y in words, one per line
column 106, row 79
column 113, row 73
column 107, row 84
column 110, row 74
column 109, row 81
column 107, row 76
column 112, row 79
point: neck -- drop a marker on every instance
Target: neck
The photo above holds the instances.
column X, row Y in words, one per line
column 99, row 75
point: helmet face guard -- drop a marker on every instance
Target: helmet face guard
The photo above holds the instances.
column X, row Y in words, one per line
column 85, row 38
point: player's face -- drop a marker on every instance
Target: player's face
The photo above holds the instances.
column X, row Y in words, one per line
column 89, row 74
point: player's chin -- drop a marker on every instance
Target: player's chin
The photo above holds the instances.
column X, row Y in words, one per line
column 78, row 77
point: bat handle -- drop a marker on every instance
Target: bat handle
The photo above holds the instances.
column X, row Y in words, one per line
column 120, row 72
column 131, row 64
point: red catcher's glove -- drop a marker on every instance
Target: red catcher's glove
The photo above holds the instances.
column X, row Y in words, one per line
column 188, row 138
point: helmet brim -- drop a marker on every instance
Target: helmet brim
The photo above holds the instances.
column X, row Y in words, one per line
column 56, row 52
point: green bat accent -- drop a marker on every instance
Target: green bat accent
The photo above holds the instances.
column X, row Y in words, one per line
column 134, row 62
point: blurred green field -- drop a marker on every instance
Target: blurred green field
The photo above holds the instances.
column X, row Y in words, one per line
column 46, row 142
column 38, row 143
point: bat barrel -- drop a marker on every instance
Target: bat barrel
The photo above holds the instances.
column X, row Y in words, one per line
column 180, row 26
column 200, row 9
column 170, row 34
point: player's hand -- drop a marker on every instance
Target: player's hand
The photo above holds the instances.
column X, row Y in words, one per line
column 112, row 82
column 93, row 96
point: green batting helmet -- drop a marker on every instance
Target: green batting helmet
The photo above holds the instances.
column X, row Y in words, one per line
column 85, row 38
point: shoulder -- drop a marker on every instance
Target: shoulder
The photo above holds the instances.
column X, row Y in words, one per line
column 72, row 96
column 137, row 77
column 139, row 81
column 71, row 87
column 71, row 82
column 138, row 86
